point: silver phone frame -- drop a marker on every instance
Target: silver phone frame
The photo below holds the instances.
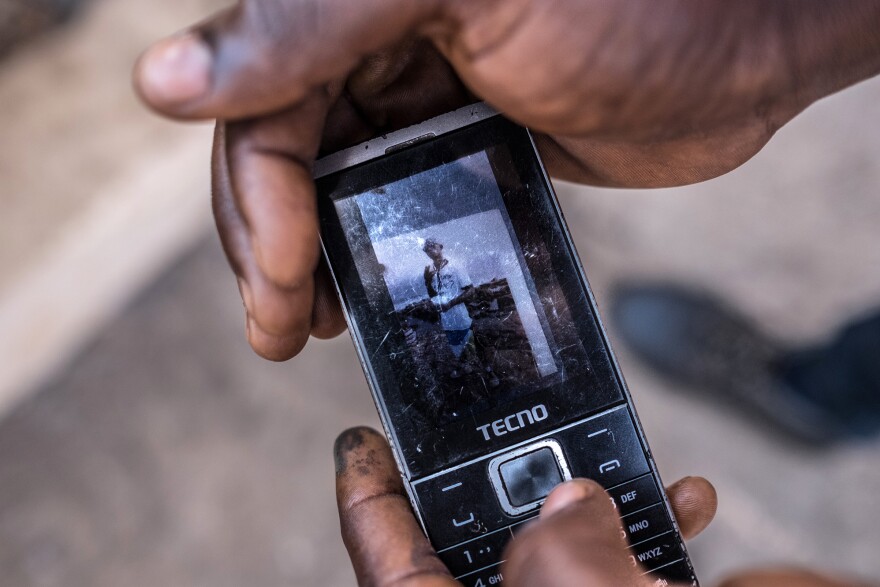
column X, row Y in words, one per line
column 430, row 129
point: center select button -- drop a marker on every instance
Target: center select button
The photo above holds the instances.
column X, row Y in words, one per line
column 522, row 478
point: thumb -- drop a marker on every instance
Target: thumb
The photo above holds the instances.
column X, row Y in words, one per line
column 262, row 55
column 577, row 541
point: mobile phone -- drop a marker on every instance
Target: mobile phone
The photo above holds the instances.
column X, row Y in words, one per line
column 481, row 341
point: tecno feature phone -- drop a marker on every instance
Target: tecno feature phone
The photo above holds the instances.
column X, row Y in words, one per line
column 480, row 340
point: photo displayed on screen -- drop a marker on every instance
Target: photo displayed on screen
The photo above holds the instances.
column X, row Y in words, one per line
column 463, row 299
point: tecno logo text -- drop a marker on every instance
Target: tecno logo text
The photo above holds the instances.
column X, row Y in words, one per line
column 513, row 422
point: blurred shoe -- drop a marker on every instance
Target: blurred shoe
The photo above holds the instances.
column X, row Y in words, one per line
column 23, row 20
column 694, row 339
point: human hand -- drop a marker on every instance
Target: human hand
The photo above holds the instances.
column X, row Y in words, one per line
column 576, row 540
column 638, row 93
column 789, row 577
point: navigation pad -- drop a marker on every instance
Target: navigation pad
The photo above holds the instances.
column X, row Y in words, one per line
column 473, row 510
column 523, row 477
column 530, row 478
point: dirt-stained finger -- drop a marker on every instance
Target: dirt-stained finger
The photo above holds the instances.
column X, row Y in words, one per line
column 383, row 538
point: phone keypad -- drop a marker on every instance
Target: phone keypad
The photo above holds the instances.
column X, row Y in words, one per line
column 646, row 523
column 483, row 578
column 679, row 572
column 476, row 554
column 460, row 506
column 635, row 495
column 470, row 528
column 657, row 552
column 605, row 449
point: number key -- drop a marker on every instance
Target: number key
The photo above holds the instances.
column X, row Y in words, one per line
column 476, row 554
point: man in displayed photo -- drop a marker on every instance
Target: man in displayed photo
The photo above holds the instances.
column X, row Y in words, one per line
column 449, row 287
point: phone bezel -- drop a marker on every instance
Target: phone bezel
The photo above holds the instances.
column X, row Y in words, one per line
column 584, row 352
column 436, row 127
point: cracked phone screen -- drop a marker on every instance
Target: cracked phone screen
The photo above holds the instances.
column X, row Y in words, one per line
column 463, row 295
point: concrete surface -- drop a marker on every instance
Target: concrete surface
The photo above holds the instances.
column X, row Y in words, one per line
column 71, row 121
column 167, row 454
column 98, row 195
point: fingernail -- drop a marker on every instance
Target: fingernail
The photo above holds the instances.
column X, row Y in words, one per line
column 348, row 442
column 567, row 494
column 270, row 268
column 275, row 266
column 244, row 291
column 177, row 69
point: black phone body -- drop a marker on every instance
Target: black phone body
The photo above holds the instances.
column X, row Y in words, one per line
column 480, row 339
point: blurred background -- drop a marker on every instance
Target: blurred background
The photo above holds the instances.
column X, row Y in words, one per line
column 142, row 443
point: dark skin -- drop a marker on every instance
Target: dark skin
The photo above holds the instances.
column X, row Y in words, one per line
column 642, row 93
column 578, row 532
column 575, row 542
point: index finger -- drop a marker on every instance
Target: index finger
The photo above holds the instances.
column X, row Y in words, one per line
column 265, row 208
column 383, row 539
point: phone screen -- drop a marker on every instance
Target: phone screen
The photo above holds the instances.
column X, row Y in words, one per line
column 464, row 294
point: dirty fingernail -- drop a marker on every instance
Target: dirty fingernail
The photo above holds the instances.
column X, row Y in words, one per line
column 177, row 69
column 348, row 442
